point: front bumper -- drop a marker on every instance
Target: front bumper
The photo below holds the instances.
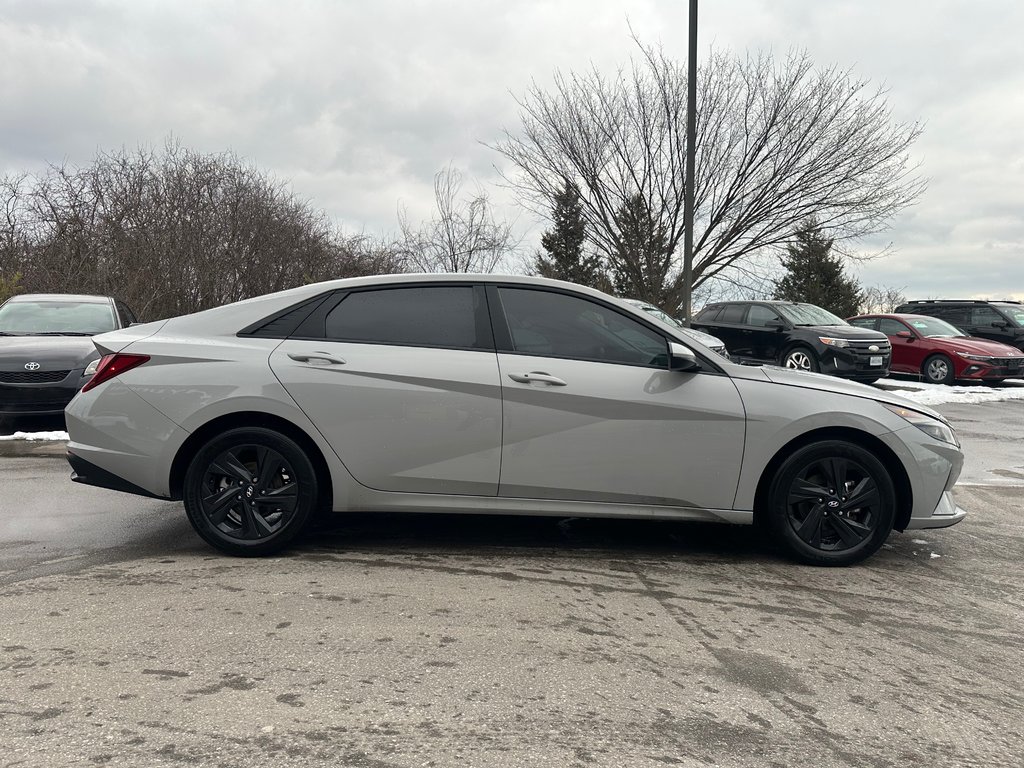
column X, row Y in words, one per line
column 945, row 514
column 849, row 364
column 43, row 399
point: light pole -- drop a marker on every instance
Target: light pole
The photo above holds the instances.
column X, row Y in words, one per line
column 691, row 139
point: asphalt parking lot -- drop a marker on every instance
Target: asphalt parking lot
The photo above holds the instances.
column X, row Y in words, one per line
column 391, row 641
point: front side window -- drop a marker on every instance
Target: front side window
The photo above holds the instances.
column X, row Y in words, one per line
column 421, row 316
column 985, row 316
column 891, row 327
column 760, row 316
column 56, row 318
column 551, row 324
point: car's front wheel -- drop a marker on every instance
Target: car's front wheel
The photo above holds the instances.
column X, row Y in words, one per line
column 938, row 369
column 250, row 491
column 801, row 359
column 831, row 503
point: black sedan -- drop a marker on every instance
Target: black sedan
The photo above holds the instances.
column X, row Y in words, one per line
column 797, row 335
column 46, row 349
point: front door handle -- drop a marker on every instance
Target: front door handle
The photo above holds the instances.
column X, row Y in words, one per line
column 314, row 356
column 537, row 376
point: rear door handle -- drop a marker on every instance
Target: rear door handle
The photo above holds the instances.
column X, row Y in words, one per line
column 314, row 356
column 537, row 376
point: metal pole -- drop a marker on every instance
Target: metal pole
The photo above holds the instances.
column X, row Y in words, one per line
column 691, row 140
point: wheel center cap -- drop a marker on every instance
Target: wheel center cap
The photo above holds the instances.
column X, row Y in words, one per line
column 250, row 491
column 833, row 504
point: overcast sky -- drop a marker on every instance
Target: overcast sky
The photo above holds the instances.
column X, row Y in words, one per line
column 358, row 104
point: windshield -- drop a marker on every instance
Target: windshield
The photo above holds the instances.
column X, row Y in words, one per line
column 933, row 328
column 808, row 314
column 58, row 318
column 1016, row 314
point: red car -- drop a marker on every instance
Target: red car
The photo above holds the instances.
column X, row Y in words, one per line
column 940, row 353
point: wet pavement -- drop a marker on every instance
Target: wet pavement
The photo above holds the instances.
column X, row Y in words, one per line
column 386, row 641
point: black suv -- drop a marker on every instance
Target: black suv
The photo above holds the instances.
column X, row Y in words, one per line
column 996, row 320
column 797, row 335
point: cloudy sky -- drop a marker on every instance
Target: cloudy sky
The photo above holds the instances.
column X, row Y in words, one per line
column 359, row 103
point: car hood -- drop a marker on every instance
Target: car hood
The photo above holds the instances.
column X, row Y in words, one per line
column 844, row 332
column 51, row 352
column 975, row 346
column 703, row 338
column 807, row 380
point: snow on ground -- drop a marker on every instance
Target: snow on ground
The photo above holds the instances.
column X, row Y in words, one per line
column 935, row 394
column 36, row 436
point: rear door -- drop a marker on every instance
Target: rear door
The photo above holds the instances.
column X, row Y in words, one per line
column 730, row 328
column 403, row 383
column 592, row 412
column 765, row 341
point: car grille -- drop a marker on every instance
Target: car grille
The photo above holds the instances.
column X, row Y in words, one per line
column 862, row 347
column 32, row 377
column 1013, row 363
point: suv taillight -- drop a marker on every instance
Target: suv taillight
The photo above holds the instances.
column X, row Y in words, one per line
column 114, row 365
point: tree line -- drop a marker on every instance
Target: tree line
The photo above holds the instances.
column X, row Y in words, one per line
column 783, row 149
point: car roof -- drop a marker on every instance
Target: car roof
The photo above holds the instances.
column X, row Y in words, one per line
column 80, row 297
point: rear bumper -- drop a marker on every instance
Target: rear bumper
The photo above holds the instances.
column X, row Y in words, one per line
column 87, row 473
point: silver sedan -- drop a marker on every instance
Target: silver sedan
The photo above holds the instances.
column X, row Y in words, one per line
column 494, row 394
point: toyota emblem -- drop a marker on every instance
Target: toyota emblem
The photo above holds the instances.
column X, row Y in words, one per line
column 33, row 366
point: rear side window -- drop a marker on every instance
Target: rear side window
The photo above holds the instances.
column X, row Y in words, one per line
column 865, row 322
column 707, row 314
column 985, row 316
column 955, row 315
column 733, row 313
column 428, row 316
column 552, row 324
column 127, row 316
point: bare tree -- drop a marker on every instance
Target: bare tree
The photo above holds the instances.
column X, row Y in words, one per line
column 880, row 299
column 777, row 143
column 171, row 232
column 463, row 236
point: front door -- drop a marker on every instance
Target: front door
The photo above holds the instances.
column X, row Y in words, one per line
column 403, row 383
column 592, row 412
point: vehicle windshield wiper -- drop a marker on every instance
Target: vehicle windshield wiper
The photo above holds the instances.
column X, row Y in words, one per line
column 64, row 333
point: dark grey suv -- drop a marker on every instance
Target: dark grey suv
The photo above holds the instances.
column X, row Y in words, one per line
column 1001, row 321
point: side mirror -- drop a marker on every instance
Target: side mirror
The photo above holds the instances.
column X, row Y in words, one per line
column 681, row 358
column 906, row 335
column 777, row 324
column 1000, row 324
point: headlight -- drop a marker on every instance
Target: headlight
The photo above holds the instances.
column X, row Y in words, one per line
column 828, row 341
column 979, row 358
column 932, row 427
column 90, row 369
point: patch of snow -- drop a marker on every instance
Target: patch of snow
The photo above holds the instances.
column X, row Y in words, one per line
column 933, row 556
column 918, row 541
column 936, row 394
column 51, row 436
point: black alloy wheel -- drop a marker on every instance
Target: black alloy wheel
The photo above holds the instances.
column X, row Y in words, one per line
column 801, row 359
column 832, row 503
column 250, row 491
column 938, row 369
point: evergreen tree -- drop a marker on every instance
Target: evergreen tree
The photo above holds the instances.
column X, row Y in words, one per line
column 642, row 259
column 814, row 275
column 563, row 244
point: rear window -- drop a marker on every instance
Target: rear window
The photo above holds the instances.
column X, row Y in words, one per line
column 28, row 318
column 432, row 316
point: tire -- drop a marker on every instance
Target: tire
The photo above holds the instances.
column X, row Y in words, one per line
column 814, row 520
column 274, row 486
column 937, row 369
column 801, row 359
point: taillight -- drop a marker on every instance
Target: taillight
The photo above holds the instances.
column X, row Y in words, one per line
column 114, row 365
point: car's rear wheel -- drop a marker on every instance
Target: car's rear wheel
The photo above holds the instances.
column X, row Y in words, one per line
column 250, row 491
column 801, row 359
column 831, row 503
column 938, row 369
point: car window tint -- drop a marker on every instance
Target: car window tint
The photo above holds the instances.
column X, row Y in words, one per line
column 760, row 316
column 1015, row 314
column 127, row 316
column 430, row 316
column 955, row 315
column 985, row 316
column 733, row 313
column 555, row 324
column 707, row 314
column 890, row 327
